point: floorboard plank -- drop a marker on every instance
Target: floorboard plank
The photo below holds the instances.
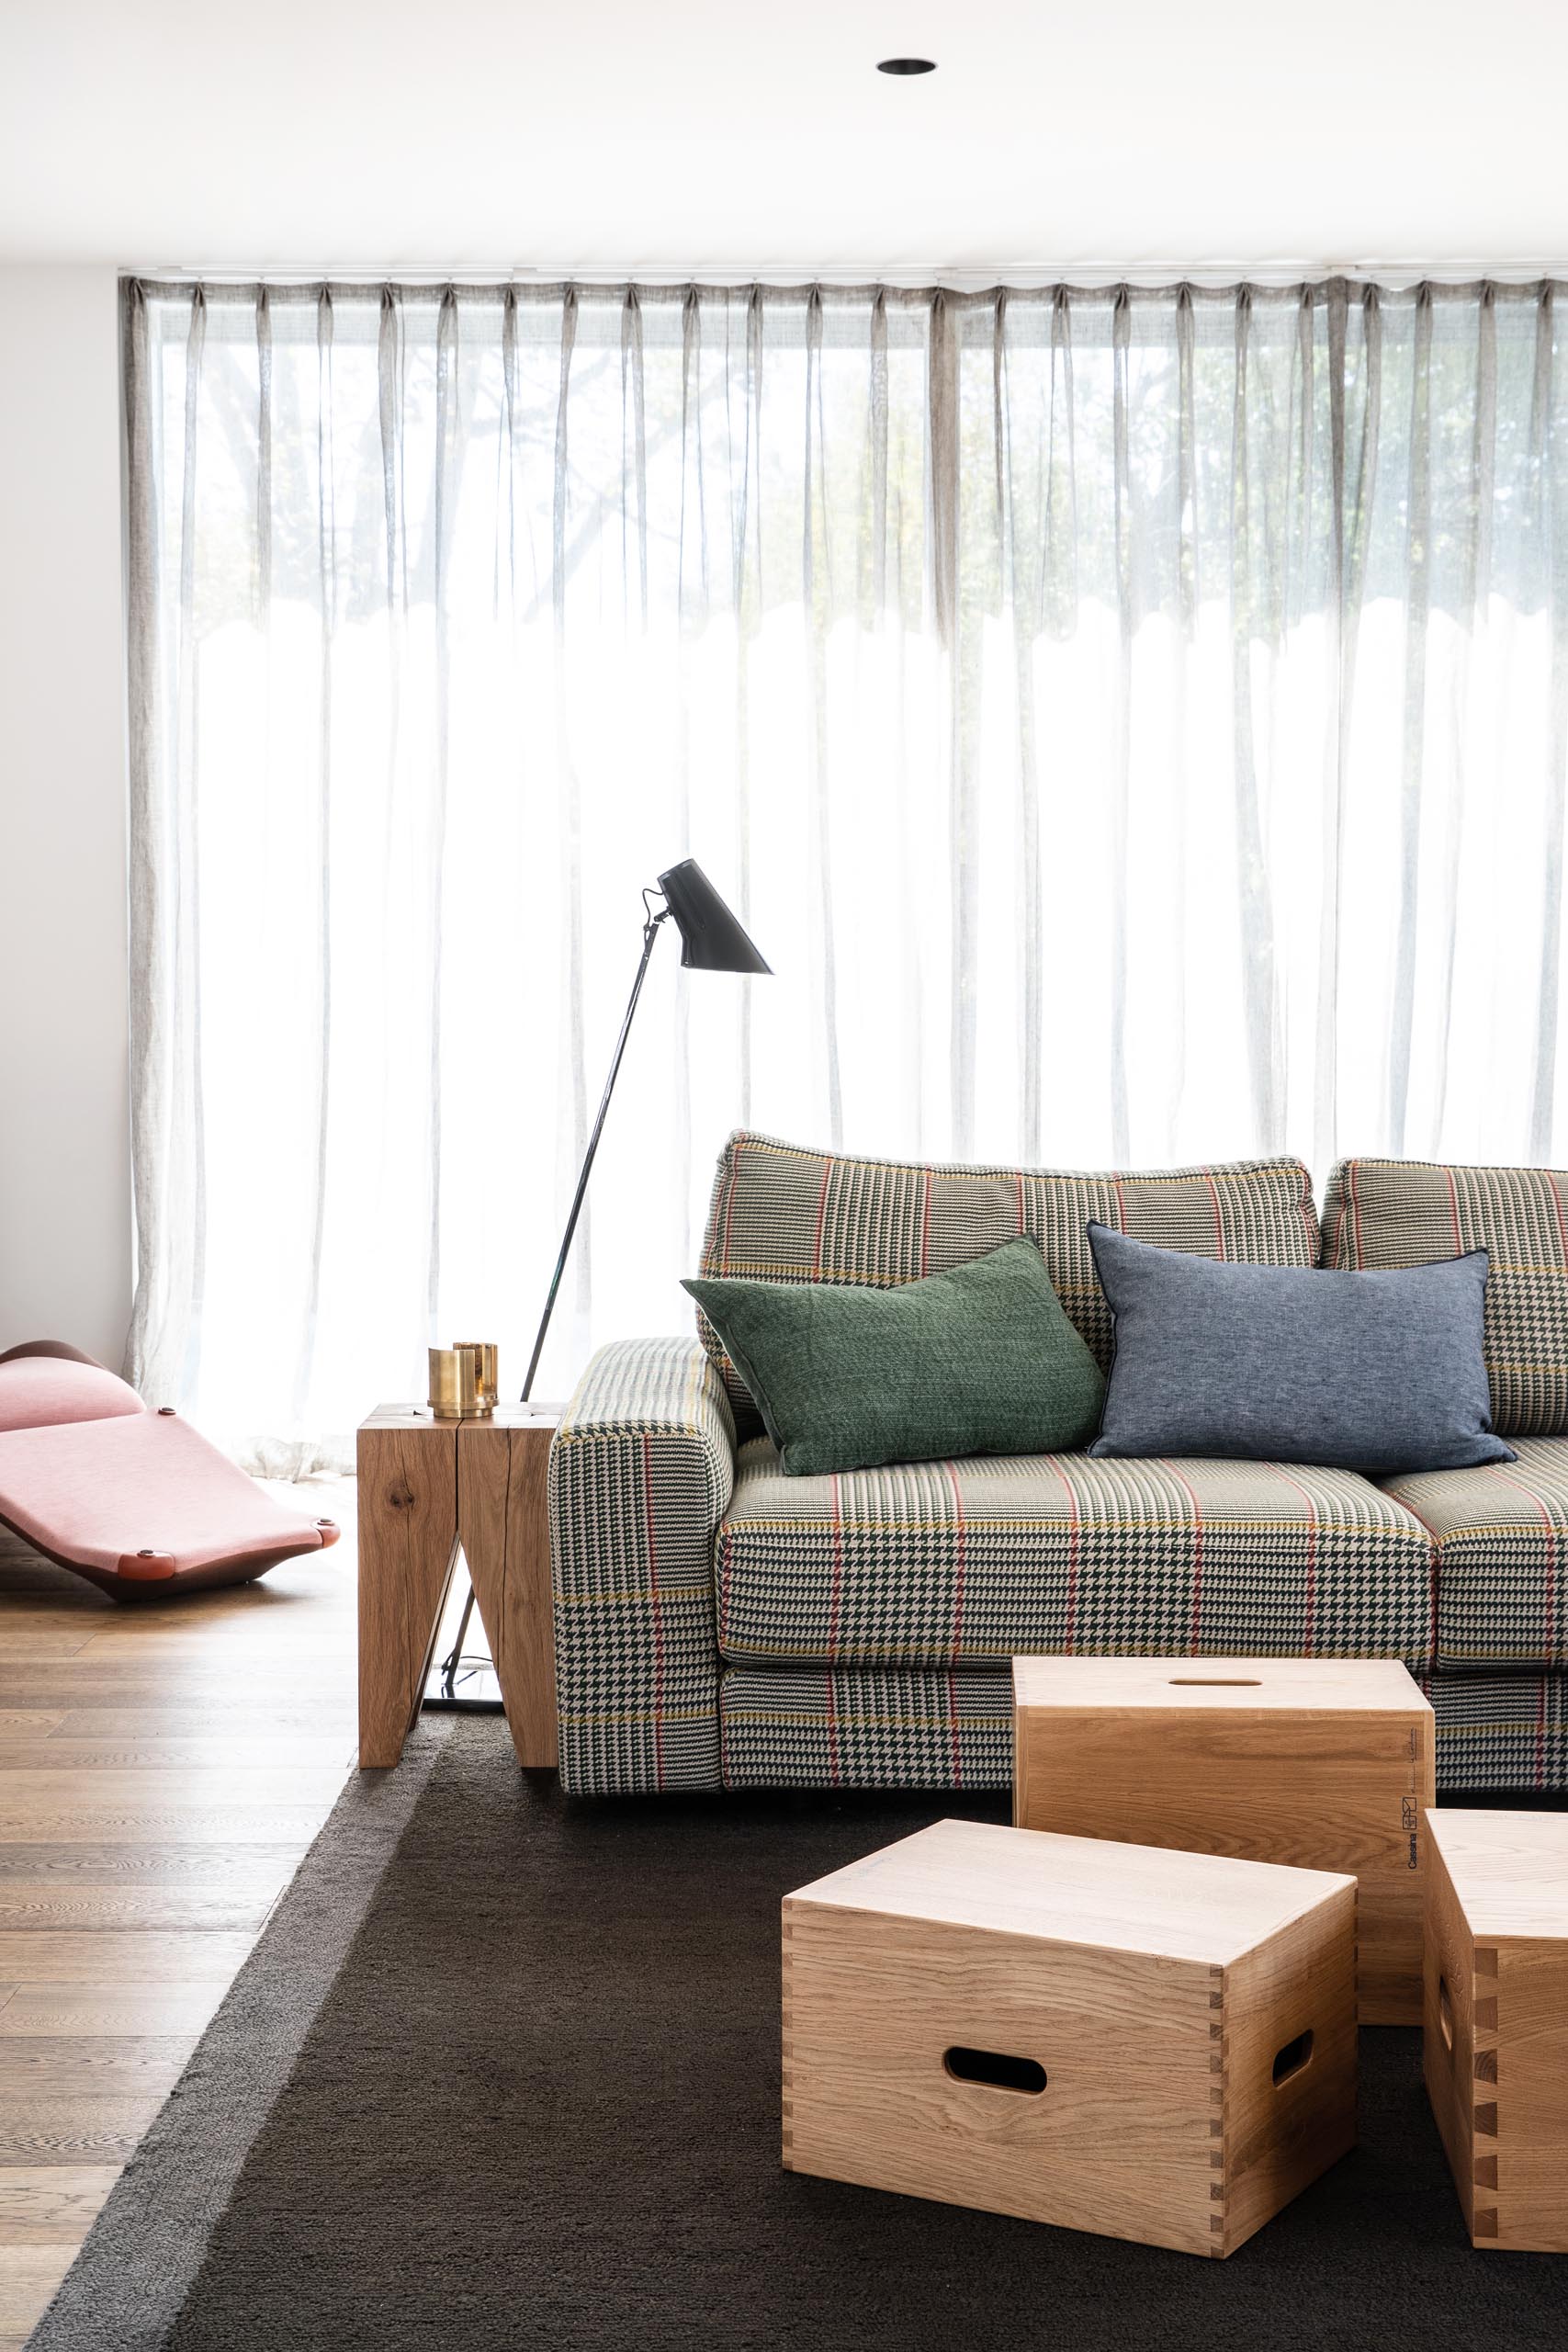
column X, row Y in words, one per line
column 87, row 1956
column 80, row 1788
column 33, row 1904
column 116, row 1823
column 254, row 1754
column 39, row 1642
column 311, row 1694
column 52, row 2202
column 278, row 1721
column 167, row 1865
column 89, row 2131
column 108, row 2010
column 91, row 2065
column 28, row 2277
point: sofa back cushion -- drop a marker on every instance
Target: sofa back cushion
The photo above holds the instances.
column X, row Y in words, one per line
column 783, row 1213
column 1383, row 1213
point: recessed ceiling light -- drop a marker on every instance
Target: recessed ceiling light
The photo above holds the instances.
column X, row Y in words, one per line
column 906, row 65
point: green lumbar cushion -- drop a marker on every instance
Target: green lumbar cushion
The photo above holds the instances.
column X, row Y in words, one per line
column 980, row 1359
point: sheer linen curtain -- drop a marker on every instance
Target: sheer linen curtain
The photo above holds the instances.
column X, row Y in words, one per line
column 1134, row 724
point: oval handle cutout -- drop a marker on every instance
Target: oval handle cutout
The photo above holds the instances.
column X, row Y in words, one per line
column 1215, row 1683
column 1445, row 2013
column 995, row 2068
column 1292, row 2058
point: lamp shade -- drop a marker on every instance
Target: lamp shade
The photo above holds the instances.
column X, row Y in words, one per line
column 711, row 939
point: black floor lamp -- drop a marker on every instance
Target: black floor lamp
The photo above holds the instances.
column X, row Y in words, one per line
column 711, row 941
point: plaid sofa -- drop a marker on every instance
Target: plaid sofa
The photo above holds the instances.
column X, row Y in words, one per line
column 718, row 1625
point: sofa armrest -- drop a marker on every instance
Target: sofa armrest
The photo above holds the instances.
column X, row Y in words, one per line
column 641, row 1471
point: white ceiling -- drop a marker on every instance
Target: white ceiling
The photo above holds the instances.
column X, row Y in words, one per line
column 721, row 137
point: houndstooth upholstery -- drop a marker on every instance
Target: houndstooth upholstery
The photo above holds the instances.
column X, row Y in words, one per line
column 1501, row 1535
column 1501, row 1731
column 1410, row 1213
column 783, row 1214
column 815, row 1728
column 812, row 1728
column 640, row 1473
column 949, row 1563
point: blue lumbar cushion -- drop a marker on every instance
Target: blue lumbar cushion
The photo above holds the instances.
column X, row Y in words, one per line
column 1380, row 1372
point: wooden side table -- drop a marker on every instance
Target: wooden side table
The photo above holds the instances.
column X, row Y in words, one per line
column 427, row 1488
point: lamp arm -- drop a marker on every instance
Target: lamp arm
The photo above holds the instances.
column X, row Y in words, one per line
column 649, row 935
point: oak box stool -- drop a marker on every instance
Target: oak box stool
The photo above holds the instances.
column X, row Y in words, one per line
column 1496, row 2021
column 1113, row 2038
column 1327, row 1764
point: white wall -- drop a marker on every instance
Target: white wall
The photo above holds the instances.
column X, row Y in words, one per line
column 64, row 1153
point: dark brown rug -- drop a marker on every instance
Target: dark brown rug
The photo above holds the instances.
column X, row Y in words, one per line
column 539, row 2106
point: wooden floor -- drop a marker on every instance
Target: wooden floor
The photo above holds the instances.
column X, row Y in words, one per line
column 163, row 1768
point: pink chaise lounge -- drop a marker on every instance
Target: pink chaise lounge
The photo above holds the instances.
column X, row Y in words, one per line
column 132, row 1499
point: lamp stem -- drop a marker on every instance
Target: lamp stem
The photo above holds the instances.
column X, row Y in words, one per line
column 650, row 934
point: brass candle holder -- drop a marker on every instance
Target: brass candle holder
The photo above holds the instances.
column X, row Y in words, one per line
column 464, row 1381
column 487, row 1372
column 452, row 1393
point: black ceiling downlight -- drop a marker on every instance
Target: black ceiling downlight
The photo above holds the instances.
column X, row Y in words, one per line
column 906, row 65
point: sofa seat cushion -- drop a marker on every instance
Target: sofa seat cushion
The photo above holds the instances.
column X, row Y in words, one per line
column 1501, row 1537
column 938, row 1563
